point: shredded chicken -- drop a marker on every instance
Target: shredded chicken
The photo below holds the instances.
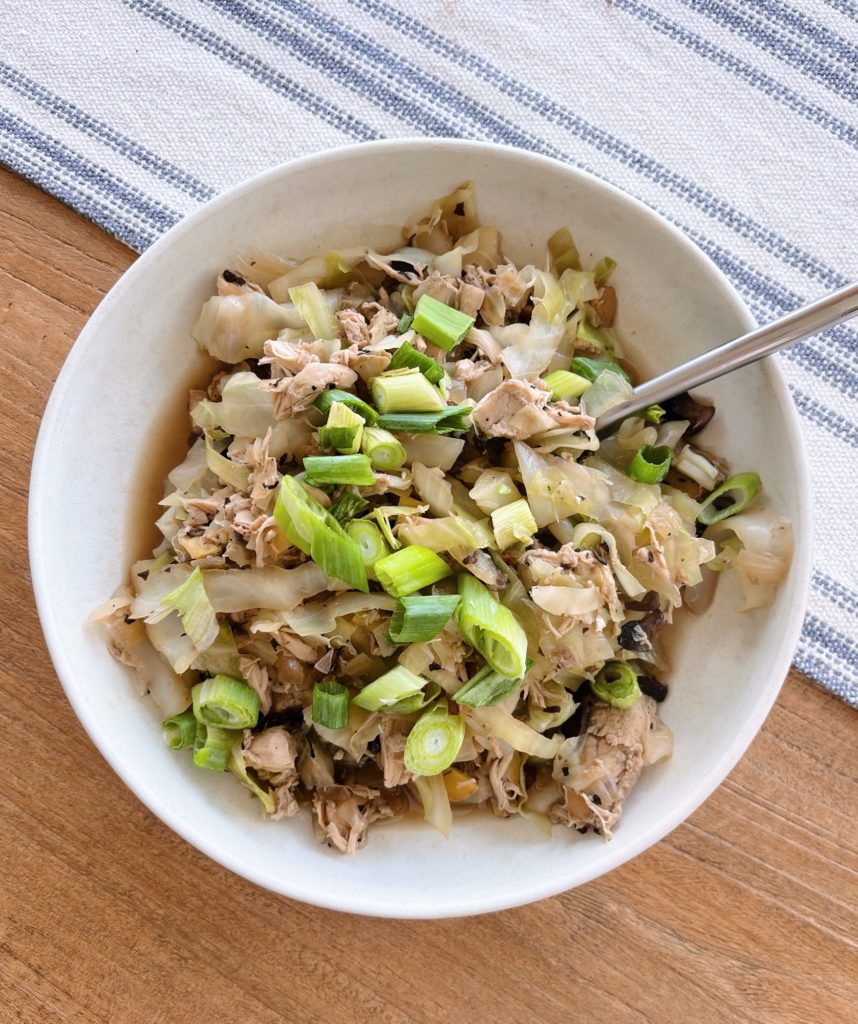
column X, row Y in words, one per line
column 293, row 394
column 518, row 409
column 607, row 761
column 344, row 813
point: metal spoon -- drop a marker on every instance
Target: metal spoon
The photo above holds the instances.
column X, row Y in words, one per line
column 826, row 312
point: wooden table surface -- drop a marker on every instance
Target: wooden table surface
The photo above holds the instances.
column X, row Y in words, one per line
column 747, row 912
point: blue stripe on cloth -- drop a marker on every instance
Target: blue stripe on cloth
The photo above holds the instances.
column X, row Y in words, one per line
column 812, row 661
column 624, row 153
column 759, row 288
column 114, row 190
column 805, row 28
column 847, row 7
column 810, row 111
column 257, row 69
column 749, row 24
column 836, row 592
column 835, row 424
column 124, row 225
column 819, row 645
column 78, row 119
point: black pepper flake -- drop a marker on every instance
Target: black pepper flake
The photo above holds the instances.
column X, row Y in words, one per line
column 596, row 799
column 459, row 209
column 232, row 278
column 434, row 666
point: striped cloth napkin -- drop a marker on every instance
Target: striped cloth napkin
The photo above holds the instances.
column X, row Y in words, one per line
column 738, row 121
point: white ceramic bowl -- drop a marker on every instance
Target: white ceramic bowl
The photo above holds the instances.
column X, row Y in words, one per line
column 127, row 376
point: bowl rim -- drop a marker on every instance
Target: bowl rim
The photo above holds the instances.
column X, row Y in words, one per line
column 207, row 843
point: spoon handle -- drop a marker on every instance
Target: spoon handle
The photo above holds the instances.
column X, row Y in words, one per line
column 825, row 312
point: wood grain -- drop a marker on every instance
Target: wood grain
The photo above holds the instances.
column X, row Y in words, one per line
column 747, row 912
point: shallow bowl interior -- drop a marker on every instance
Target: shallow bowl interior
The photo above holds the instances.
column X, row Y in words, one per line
column 106, row 439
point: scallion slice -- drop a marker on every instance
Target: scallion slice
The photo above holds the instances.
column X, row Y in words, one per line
column 404, row 323
column 565, row 385
column 330, row 704
column 180, row 730
column 732, row 497
column 513, row 524
column 338, row 469
column 226, row 702
column 434, row 741
column 212, row 746
column 439, row 323
column 452, row 418
column 410, row 569
column 382, row 449
column 654, row 413
column 420, row 618
column 486, row 688
column 391, row 688
column 491, row 628
column 603, row 270
column 650, row 465
column 327, row 398
column 405, row 390
column 617, row 683
column 369, row 539
column 344, row 430
column 347, row 506
column 314, row 530
column 406, row 356
column 591, row 368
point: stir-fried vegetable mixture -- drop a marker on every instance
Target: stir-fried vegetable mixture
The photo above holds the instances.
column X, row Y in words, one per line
column 398, row 566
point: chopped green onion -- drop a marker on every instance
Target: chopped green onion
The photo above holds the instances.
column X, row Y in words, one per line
column 434, row 742
column 343, row 431
column 486, row 688
column 330, row 704
column 406, row 390
column 180, row 730
column 410, row 569
column 404, row 323
column 391, row 688
column 235, row 764
column 369, row 539
column 418, row 619
column 513, row 524
column 696, row 467
column 565, row 385
column 654, row 414
column 314, row 530
column 591, row 368
column 603, row 270
column 226, row 702
column 327, row 398
column 194, row 608
column 338, row 469
column 650, row 465
column 732, row 497
column 408, row 705
column 594, row 337
column 450, row 418
column 315, row 312
column 439, row 323
column 213, row 745
column 347, row 506
column 407, row 357
column 382, row 449
column 617, row 684
column 563, row 251
column 491, row 628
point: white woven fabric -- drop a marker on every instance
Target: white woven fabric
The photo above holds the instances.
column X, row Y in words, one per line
column 736, row 120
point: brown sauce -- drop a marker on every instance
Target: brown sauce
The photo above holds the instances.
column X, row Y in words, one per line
column 165, row 448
